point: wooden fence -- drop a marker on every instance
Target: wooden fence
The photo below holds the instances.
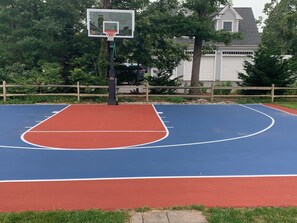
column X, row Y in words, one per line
column 79, row 91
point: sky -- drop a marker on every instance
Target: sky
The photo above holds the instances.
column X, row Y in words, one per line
column 257, row 6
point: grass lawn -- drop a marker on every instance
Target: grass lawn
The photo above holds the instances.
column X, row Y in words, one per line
column 89, row 216
column 247, row 215
column 214, row 215
column 288, row 104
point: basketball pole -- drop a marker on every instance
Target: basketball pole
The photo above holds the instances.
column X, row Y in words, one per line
column 111, row 76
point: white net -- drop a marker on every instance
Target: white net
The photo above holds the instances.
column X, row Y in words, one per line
column 110, row 34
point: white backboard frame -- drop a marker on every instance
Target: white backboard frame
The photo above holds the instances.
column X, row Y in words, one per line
column 130, row 12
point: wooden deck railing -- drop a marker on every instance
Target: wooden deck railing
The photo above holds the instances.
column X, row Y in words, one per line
column 79, row 91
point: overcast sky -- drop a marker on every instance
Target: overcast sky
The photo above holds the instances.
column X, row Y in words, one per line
column 257, row 5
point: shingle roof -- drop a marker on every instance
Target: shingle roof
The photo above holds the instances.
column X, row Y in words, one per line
column 248, row 28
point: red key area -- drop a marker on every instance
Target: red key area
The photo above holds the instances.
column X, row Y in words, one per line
column 98, row 127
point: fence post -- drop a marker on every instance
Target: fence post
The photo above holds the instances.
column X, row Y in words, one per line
column 212, row 92
column 186, row 90
column 4, row 90
column 147, row 91
column 78, row 91
column 272, row 93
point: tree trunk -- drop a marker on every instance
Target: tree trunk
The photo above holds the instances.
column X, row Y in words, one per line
column 196, row 65
column 106, row 4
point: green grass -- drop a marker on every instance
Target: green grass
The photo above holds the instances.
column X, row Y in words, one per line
column 246, row 215
column 89, row 216
column 213, row 215
column 291, row 103
column 143, row 209
column 191, row 207
column 256, row 215
column 288, row 104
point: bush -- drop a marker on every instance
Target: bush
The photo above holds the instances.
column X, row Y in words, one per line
column 292, row 92
column 78, row 75
column 223, row 91
column 163, row 78
column 265, row 70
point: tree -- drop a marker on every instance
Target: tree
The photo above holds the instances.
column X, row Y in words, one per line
column 138, row 5
column 280, row 32
column 54, row 31
column 196, row 21
column 265, row 70
column 162, row 79
column 106, row 4
column 154, row 45
column 16, row 31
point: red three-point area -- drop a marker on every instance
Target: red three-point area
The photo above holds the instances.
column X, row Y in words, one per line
column 98, row 127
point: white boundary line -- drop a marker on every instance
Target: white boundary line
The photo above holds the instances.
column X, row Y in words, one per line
column 148, row 178
column 101, row 131
column 40, row 147
column 162, row 122
column 166, row 177
column 54, row 114
column 160, row 146
column 223, row 140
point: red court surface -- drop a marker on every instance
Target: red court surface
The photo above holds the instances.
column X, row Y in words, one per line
column 281, row 108
column 95, row 127
column 111, row 194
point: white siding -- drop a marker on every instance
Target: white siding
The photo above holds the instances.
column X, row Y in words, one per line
column 231, row 66
column 222, row 66
column 207, row 68
column 187, row 70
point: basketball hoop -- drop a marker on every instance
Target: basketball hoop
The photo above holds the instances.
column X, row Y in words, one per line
column 110, row 34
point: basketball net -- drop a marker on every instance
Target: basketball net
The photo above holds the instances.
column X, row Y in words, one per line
column 110, row 34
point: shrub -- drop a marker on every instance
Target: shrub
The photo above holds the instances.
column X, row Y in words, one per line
column 163, row 78
column 223, row 91
column 265, row 70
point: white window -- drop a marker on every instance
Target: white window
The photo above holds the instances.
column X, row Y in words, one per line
column 227, row 25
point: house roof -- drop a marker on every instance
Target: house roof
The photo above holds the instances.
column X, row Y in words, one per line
column 247, row 28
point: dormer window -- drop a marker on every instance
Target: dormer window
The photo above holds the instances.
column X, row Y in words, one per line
column 227, row 25
column 227, row 19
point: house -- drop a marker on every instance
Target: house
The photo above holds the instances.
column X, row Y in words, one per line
column 224, row 63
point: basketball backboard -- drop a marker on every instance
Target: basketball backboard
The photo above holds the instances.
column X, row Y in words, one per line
column 101, row 20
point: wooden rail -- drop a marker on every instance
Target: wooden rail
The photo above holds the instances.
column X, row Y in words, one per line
column 78, row 91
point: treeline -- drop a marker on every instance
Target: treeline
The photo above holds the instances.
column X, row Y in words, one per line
column 45, row 41
column 276, row 60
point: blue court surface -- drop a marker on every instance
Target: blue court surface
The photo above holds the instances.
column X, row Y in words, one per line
column 202, row 141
